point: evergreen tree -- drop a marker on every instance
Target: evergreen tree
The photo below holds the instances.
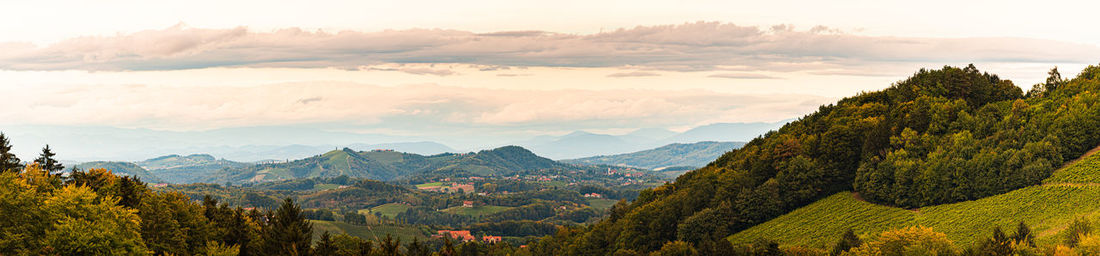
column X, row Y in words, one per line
column 1076, row 230
column 130, row 192
column 325, row 246
column 847, row 241
column 416, row 248
column 998, row 245
column 1023, row 235
column 448, row 248
column 390, row 246
column 241, row 232
column 47, row 162
column 288, row 232
column 8, row 160
column 366, row 248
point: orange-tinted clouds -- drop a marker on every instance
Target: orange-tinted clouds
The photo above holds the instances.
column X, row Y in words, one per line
column 701, row 46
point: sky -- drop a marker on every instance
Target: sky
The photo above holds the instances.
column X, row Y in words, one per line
column 441, row 69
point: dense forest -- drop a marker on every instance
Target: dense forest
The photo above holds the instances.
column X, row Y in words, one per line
column 97, row 213
column 940, row 136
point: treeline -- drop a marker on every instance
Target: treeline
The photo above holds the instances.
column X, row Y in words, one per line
column 430, row 216
column 98, row 213
column 521, row 228
column 941, row 136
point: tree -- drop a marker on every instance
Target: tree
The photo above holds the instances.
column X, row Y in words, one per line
column 998, row 245
column 676, row 248
column 325, row 246
column 86, row 224
column 391, row 246
column 288, row 232
column 8, row 160
column 416, row 248
column 1079, row 228
column 847, row 241
column 47, row 162
column 213, row 248
column 1023, row 235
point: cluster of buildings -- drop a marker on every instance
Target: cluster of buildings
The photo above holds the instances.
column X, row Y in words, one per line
column 453, row 188
column 465, row 236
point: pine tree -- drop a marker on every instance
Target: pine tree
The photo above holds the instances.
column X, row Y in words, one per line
column 847, row 241
column 448, row 248
column 416, row 248
column 998, row 244
column 325, row 246
column 366, row 248
column 390, row 246
column 8, row 161
column 47, row 162
column 1023, row 235
column 288, row 232
column 240, row 233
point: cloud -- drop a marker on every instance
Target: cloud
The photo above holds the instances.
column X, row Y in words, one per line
column 742, row 76
column 684, row 47
column 633, row 74
column 309, row 100
column 412, row 107
column 413, row 70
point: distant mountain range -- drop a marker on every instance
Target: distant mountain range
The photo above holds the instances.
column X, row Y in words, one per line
column 584, row 144
column 693, row 155
column 389, row 165
column 247, row 144
column 121, row 169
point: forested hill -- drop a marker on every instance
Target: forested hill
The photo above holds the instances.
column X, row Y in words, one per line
column 389, row 165
column 672, row 155
column 187, row 169
column 940, row 136
column 121, row 169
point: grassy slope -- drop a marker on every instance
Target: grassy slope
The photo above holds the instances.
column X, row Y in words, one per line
column 389, row 210
column 1071, row 192
column 601, row 203
column 405, row 233
column 476, row 211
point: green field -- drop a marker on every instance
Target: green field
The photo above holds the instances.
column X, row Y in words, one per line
column 476, row 211
column 388, row 210
column 405, row 233
column 429, row 184
column 1047, row 209
column 325, row 186
column 601, row 204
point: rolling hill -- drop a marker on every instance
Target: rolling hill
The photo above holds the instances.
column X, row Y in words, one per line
column 967, row 148
column 1047, row 208
column 187, row 169
column 673, row 155
column 390, row 165
column 121, row 169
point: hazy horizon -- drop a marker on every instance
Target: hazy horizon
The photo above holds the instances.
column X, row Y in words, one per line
column 479, row 74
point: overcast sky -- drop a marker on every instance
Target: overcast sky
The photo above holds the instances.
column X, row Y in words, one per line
column 432, row 68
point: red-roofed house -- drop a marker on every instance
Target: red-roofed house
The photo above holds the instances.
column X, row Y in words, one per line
column 490, row 239
column 463, row 235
